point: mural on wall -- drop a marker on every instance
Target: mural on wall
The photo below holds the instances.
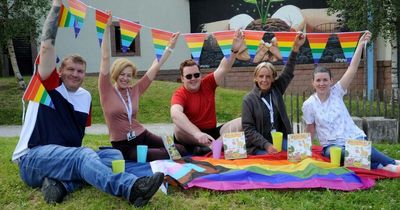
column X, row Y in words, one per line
column 309, row 16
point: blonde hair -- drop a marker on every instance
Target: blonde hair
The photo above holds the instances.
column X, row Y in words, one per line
column 266, row 65
column 119, row 65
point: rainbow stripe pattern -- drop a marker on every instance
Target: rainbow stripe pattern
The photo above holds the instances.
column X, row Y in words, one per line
column 78, row 9
column 101, row 22
column 317, row 43
column 195, row 43
column 65, row 19
column 348, row 41
column 285, row 43
column 160, row 41
column 225, row 40
column 129, row 31
column 252, row 40
column 36, row 92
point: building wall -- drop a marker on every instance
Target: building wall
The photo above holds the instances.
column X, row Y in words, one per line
column 171, row 15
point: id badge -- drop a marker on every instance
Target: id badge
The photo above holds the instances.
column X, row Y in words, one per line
column 130, row 135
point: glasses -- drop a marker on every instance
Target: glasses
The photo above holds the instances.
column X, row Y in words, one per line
column 195, row 75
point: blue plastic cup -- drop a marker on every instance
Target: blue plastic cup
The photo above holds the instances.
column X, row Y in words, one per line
column 141, row 153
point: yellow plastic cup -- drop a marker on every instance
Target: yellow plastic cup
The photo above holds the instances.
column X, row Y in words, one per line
column 118, row 166
column 277, row 138
column 336, row 153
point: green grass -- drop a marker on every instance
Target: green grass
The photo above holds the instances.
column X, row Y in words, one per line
column 14, row 194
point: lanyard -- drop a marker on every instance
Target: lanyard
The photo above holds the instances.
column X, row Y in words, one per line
column 128, row 106
column 271, row 109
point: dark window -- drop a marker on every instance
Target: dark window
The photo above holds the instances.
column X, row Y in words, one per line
column 116, row 48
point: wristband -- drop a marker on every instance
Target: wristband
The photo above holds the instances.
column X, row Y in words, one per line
column 234, row 51
column 169, row 49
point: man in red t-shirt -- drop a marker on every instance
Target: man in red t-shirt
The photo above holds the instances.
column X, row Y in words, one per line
column 193, row 104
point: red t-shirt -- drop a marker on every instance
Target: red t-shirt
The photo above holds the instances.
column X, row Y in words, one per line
column 199, row 107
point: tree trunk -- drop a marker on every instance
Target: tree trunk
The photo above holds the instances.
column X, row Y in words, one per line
column 14, row 64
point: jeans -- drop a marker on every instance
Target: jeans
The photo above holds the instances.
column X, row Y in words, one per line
column 263, row 151
column 73, row 166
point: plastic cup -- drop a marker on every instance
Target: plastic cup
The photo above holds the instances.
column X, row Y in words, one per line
column 336, row 153
column 216, row 148
column 141, row 153
column 277, row 138
column 118, row 166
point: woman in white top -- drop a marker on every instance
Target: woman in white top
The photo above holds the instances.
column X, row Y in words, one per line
column 326, row 114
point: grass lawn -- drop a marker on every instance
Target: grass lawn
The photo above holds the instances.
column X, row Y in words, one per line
column 14, row 194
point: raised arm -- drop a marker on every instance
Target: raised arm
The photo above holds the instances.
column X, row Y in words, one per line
column 226, row 65
column 47, row 49
column 155, row 67
column 105, row 48
column 355, row 61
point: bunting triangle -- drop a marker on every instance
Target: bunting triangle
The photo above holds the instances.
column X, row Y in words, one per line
column 129, row 31
column 160, row 41
column 36, row 92
column 101, row 22
column 317, row 43
column 225, row 40
column 195, row 43
column 348, row 41
column 285, row 43
column 252, row 40
column 65, row 19
column 78, row 9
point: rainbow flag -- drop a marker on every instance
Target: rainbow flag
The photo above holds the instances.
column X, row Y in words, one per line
column 252, row 40
column 129, row 31
column 160, row 41
column 101, row 22
column 195, row 43
column 317, row 43
column 36, row 92
column 78, row 10
column 225, row 40
column 65, row 19
column 348, row 41
column 285, row 43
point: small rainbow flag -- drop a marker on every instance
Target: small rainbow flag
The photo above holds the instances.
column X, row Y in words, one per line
column 317, row 43
column 348, row 41
column 129, row 31
column 36, row 92
column 252, row 40
column 160, row 41
column 195, row 43
column 225, row 40
column 78, row 9
column 101, row 22
column 65, row 19
column 285, row 42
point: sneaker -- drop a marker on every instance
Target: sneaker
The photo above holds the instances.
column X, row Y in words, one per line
column 53, row 191
column 392, row 168
column 144, row 188
column 397, row 162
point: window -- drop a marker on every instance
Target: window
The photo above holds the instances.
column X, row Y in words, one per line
column 116, row 49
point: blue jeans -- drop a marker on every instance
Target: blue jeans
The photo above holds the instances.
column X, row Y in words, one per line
column 378, row 159
column 73, row 166
column 263, row 151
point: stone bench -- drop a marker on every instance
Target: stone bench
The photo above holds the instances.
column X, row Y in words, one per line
column 379, row 129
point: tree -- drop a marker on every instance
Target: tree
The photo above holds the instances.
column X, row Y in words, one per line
column 381, row 17
column 19, row 18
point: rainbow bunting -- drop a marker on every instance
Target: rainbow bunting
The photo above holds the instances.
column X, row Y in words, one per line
column 348, row 41
column 129, row 31
column 252, row 40
column 225, row 40
column 160, row 41
column 101, row 22
column 78, row 9
column 317, row 43
column 36, row 92
column 285, row 42
column 65, row 19
column 195, row 43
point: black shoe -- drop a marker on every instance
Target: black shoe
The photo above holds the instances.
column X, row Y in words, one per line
column 53, row 191
column 144, row 188
column 200, row 151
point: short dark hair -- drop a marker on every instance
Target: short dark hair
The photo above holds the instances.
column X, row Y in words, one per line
column 188, row 62
column 321, row 69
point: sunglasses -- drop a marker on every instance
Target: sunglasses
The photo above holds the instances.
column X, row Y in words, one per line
column 195, row 75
